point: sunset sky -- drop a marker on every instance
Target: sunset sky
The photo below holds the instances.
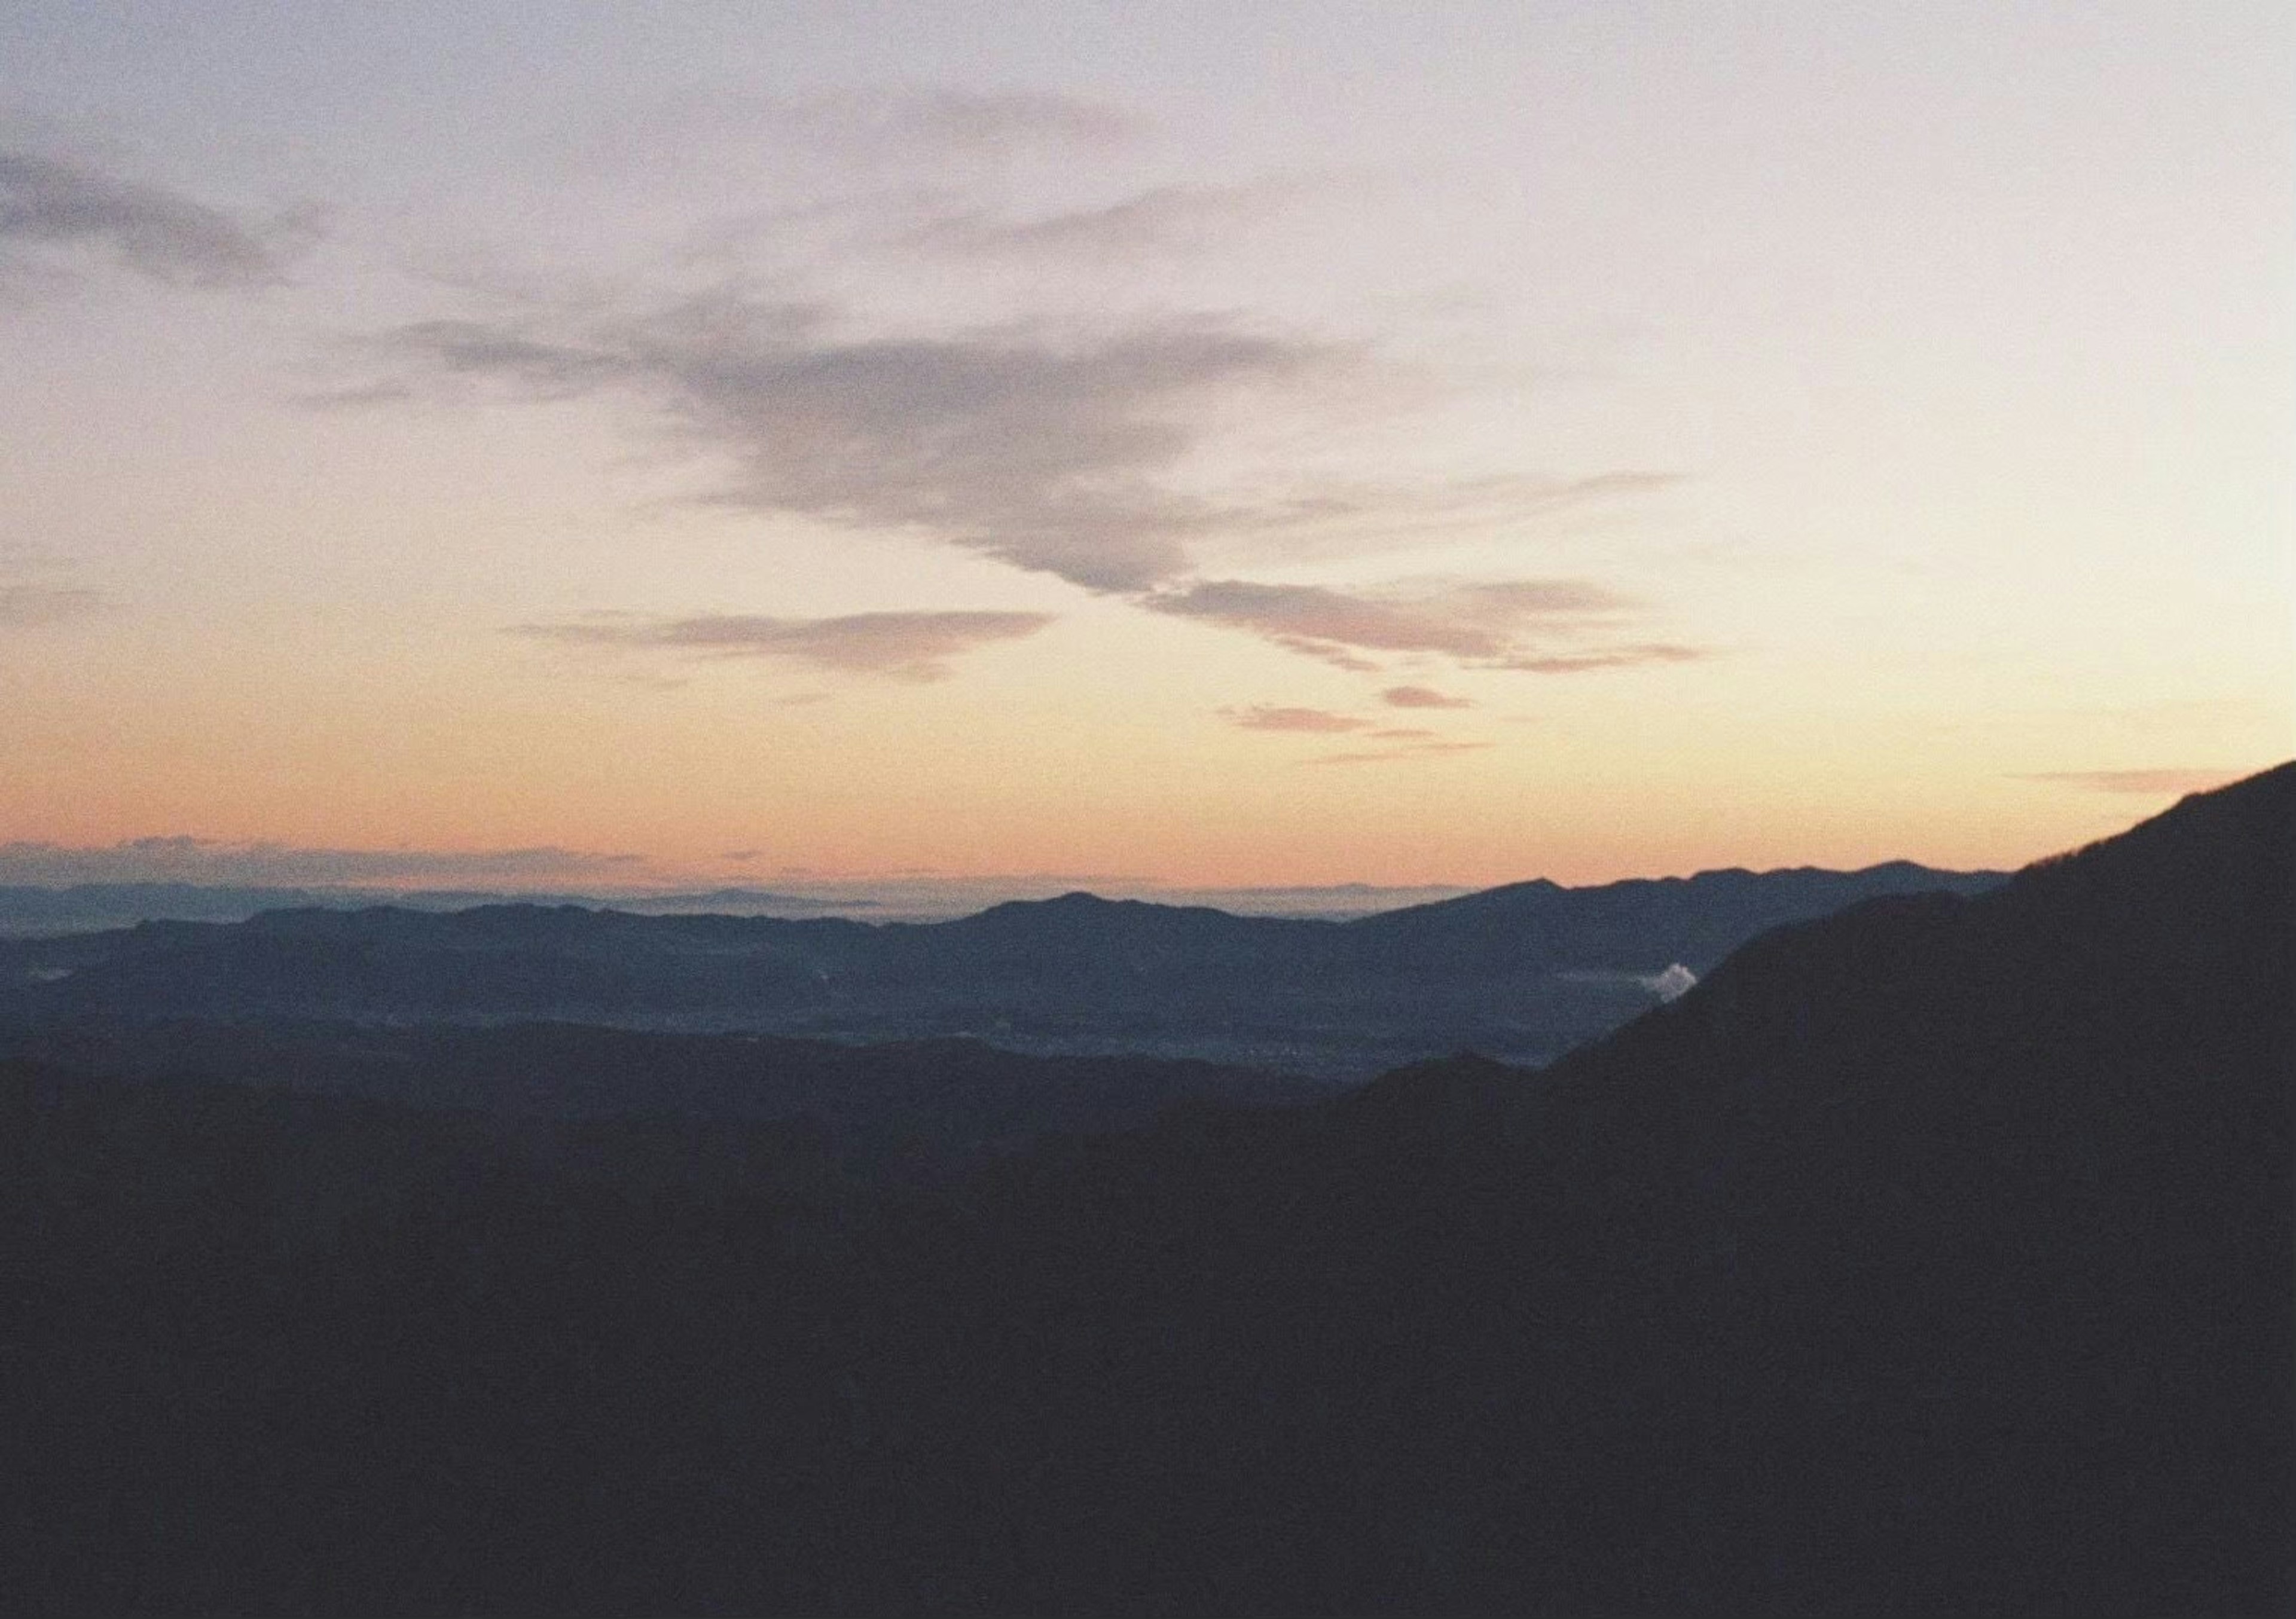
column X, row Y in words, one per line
column 591, row 445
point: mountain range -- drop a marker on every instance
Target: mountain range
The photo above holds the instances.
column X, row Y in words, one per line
column 1523, row 971
column 1931, row 1257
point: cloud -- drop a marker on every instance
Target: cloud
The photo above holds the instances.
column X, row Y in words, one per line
column 1047, row 454
column 1604, row 657
column 870, row 128
column 905, row 646
column 204, row 860
column 1483, row 624
column 32, row 606
column 940, row 118
column 1262, row 717
column 1162, row 219
column 1337, row 517
column 1421, row 697
column 170, row 238
column 2147, row 783
column 1065, row 449
column 1477, row 500
column 1403, row 752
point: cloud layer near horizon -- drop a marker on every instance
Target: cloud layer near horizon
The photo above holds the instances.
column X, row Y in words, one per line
column 205, row 860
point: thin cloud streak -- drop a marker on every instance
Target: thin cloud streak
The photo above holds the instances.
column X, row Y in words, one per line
column 911, row 646
column 1485, row 625
column 1162, row 219
column 1262, row 717
column 1605, row 658
column 934, row 119
column 1402, row 754
column 868, row 130
column 1422, row 697
column 1477, row 502
column 35, row 606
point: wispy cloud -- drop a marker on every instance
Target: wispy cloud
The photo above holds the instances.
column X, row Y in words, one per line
column 938, row 118
column 1262, row 717
column 1339, row 512
column 864, row 129
column 1422, row 697
column 204, row 860
column 913, row 646
column 46, row 202
column 1402, row 753
column 33, row 605
column 1605, row 658
column 1050, row 455
column 1160, row 219
column 2150, row 784
column 1494, row 625
column 1072, row 448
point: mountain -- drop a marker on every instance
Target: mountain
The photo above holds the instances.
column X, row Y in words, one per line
column 1934, row 1257
column 1525, row 971
column 1627, row 926
column 31, row 909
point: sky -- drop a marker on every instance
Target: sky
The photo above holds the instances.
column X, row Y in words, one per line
column 1156, row 446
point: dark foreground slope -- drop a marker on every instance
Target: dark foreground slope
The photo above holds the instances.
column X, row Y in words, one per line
column 1935, row 1258
column 1932, row 1258
column 911, row 1113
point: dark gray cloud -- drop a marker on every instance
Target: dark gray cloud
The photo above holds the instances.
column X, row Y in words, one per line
column 206, row 860
column 905, row 646
column 31, row 606
column 1048, row 454
column 2148, row 783
column 46, row 202
column 1421, row 697
column 1260, row 716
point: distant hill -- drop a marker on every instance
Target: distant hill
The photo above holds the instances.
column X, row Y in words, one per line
column 1524, row 971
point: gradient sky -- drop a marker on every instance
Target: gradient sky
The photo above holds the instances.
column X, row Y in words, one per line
column 1199, row 443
